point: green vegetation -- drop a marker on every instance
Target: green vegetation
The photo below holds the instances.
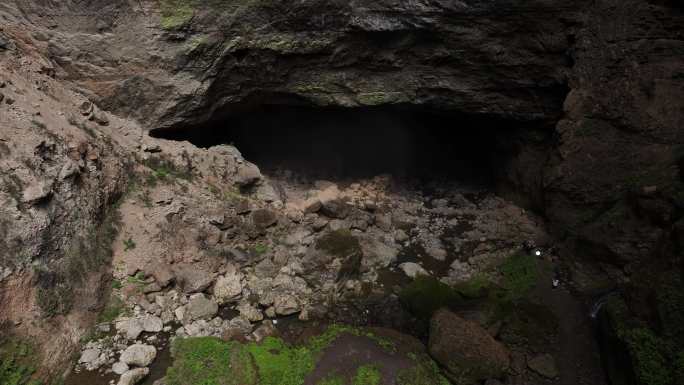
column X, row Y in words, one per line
column 340, row 243
column 164, row 170
column 476, row 287
column 519, row 275
column 367, row 375
column 196, row 42
column 260, row 248
column 129, row 244
column 650, row 365
column 16, row 362
column 653, row 359
column 208, row 361
column 116, row 284
column 113, row 309
column 280, row 364
column 425, row 295
column 425, row 373
column 176, row 13
column 137, row 279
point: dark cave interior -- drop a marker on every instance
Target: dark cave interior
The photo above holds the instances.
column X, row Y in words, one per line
column 340, row 144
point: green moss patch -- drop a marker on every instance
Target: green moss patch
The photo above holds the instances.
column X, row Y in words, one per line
column 425, row 373
column 650, row 365
column 519, row 275
column 281, row 364
column 652, row 358
column 176, row 14
column 425, row 295
column 367, row 375
column 211, row 361
column 340, row 243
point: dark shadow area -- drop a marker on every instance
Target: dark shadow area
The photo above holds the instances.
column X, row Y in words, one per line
column 335, row 144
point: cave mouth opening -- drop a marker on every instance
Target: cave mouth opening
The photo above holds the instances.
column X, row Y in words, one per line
column 347, row 144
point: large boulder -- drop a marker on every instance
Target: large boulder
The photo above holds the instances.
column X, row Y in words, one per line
column 192, row 278
column 469, row 354
column 198, row 307
column 134, row 376
column 139, row 355
column 228, row 288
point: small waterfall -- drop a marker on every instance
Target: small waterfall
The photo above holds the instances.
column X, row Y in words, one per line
column 596, row 308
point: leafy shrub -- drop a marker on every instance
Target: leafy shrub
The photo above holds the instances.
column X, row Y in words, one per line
column 650, row 365
column 16, row 363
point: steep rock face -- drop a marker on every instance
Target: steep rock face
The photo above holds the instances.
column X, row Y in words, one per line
column 612, row 184
column 60, row 173
column 172, row 62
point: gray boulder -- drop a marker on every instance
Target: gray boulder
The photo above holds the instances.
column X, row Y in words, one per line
column 134, row 376
column 198, row 307
column 139, row 355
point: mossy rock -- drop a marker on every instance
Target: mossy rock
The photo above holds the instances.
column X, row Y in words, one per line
column 339, row 243
column 339, row 355
column 425, row 295
column 176, row 14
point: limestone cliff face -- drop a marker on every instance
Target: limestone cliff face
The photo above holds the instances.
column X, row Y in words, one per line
column 605, row 77
column 608, row 75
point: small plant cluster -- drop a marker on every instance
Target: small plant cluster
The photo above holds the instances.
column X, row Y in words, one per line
column 16, row 362
column 164, row 170
column 129, row 244
column 657, row 356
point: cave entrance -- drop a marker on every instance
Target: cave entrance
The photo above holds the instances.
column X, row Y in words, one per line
column 346, row 144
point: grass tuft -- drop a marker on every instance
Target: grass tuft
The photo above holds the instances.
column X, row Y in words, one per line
column 367, row 375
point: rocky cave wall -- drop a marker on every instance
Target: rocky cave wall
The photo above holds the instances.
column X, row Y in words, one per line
column 607, row 77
